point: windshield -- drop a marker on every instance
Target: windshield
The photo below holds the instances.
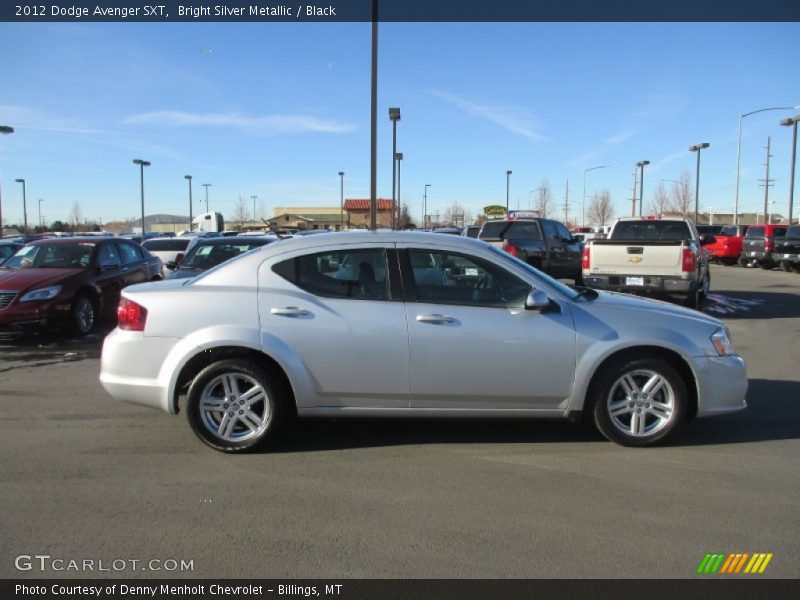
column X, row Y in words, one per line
column 553, row 283
column 52, row 256
column 520, row 230
column 651, row 230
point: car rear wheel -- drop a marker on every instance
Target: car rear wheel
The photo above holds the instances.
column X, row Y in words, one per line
column 236, row 405
column 83, row 315
column 639, row 402
column 743, row 262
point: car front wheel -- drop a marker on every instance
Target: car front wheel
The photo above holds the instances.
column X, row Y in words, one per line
column 639, row 402
column 83, row 315
column 236, row 405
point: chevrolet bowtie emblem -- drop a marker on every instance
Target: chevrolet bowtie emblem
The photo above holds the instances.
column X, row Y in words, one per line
column 635, row 259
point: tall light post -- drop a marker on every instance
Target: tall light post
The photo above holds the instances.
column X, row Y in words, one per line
column 739, row 154
column 697, row 148
column 254, row 207
column 508, row 183
column 189, row 179
column 24, row 204
column 398, row 156
column 41, row 225
column 583, row 198
column 142, row 164
column 425, row 206
column 4, row 130
column 793, row 124
column 373, row 170
column 394, row 117
column 641, row 164
column 206, row 185
column 341, row 200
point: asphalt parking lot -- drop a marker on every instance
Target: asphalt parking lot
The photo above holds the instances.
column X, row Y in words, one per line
column 85, row 477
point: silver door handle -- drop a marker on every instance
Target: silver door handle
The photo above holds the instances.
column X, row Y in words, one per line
column 289, row 311
column 436, row 319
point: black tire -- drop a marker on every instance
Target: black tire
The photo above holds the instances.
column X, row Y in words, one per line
column 83, row 315
column 694, row 299
column 766, row 265
column 610, row 394
column 578, row 278
column 729, row 262
column 743, row 262
column 796, row 267
column 785, row 266
column 244, row 428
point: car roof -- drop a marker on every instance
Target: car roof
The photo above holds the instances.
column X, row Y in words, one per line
column 70, row 241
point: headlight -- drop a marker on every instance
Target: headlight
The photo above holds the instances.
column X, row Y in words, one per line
column 722, row 342
column 41, row 294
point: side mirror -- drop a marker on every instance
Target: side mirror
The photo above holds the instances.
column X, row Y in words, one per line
column 707, row 239
column 171, row 265
column 537, row 300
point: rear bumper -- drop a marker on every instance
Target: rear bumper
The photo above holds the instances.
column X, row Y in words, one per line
column 721, row 383
column 788, row 257
column 130, row 369
column 650, row 284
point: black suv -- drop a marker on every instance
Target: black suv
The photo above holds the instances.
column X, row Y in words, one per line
column 542, row 243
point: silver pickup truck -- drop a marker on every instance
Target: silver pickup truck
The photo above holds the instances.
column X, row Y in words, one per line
column 651, row 257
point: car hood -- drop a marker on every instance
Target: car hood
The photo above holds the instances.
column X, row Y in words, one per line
column 22, row 279
column 636, row 308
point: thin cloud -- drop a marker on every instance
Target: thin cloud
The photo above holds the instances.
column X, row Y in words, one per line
column 27, row 118
column 264, row 125
column 515, row 119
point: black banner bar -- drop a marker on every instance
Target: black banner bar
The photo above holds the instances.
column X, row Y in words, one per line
column 155, row 11
column 732, row 588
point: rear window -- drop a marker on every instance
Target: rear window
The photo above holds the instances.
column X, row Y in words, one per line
column 730, row 230
column 651, row 230
column 793, row 231
column 518, row 230
column 177, row 244
column 755, row 232
column 779, row 232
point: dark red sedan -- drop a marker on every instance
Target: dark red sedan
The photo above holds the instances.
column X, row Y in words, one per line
column 70, row 283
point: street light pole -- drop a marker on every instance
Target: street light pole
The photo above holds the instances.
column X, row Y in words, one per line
column 341, row 200
column 142, row 164
column 739, row 154
column 24, row 204
column 425, row 206
column 583, row 198
column 373, row 184
column 254, row 207
column 394, row 116
column 641, row 164
column 41, row 225
column 4, row 130
column 508, row 181
column 189, row 179
column 206, row 185
column 399, row 158
column 793, row 124
column 697, row 148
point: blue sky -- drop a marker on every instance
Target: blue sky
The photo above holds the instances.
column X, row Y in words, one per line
column 277, row 110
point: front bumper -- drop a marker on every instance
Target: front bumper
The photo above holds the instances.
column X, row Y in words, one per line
column 35, row 316
column 721, row 384
column 787, row 257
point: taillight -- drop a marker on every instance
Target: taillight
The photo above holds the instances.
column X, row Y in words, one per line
column 179, row 258
column 586, row 258
column 131, row 316
column 769, row 244
column 511, row 249
column 689, row 261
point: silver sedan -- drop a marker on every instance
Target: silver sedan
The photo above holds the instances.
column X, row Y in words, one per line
column 356, row 325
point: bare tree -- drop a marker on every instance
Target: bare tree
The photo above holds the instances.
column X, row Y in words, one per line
column 241, row 212
column 544, row 199
column 456, row 215
column 600, row 210
column 405, row 217
column 76, row 215
column 682, row 197
column 660, row 202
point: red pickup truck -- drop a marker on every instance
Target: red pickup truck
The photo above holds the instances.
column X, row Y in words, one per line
column 728, row 247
